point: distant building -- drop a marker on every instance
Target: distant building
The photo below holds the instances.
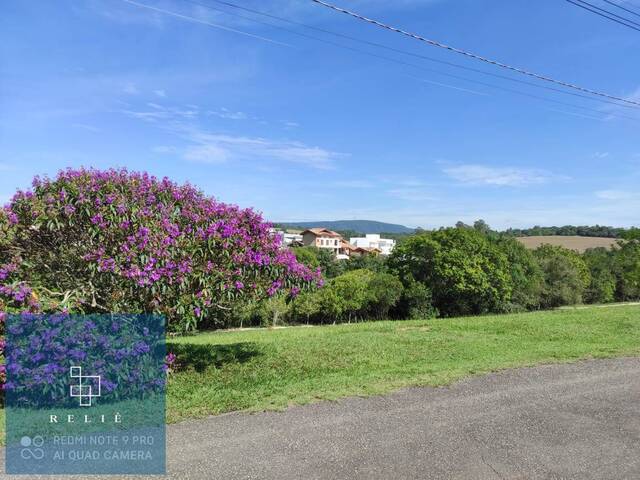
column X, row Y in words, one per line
column 287, row 239
column 372, row 241
column 322, row 238
column 291, row 239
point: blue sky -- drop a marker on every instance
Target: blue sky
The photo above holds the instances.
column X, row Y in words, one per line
column 303, row 130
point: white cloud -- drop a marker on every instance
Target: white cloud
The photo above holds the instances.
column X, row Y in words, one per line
column 353, row 184
column 160, row 93
column 130, row 88
column 622, row 110
column 499, row 176
column 89, row 128
column 600, row 155
column 206, row 154
column 224, row 113
column 164, row 149
column 261, row 148
column 161, row 112
column 616, row 195
column 216, row 148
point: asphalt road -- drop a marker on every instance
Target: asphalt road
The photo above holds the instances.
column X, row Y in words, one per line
column 572, row 421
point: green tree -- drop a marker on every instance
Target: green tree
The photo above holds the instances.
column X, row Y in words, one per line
column 466, row 273
column 307, row 306
column 526, row 276
column 602, row 266
column 628, row 268
column 307, row 256
column 566, row 276
column 384, row 291
column 353, row 290
column 415, row 301
column 375, row 263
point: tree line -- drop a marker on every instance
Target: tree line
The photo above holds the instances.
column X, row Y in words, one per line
column 467, row 270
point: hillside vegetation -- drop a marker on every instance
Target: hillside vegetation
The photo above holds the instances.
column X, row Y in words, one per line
column 362, row 226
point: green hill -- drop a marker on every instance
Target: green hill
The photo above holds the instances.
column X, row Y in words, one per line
column 362, row 226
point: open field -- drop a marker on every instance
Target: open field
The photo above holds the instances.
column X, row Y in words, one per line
column 271, row 369
column 579, row 244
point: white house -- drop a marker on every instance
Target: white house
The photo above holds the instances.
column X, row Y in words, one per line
column 373, row 240
column 287, row 239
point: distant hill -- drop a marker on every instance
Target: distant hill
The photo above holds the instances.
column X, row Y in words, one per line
column 362, row 226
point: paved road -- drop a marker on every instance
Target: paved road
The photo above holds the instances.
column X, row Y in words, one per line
column 574, row 421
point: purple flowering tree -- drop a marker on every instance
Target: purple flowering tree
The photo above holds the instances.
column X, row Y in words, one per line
column 92, row 241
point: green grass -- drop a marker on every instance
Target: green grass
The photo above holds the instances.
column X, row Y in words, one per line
column 271, row 369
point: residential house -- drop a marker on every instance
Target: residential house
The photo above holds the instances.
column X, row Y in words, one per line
column 373, row 241
column 322, row 238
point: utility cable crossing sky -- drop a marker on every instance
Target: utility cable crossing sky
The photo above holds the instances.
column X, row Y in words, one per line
column 473, row 55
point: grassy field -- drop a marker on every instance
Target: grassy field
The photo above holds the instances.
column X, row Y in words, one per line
column 271, row 369
column 579, row 244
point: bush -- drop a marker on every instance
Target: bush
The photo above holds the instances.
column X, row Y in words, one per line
column 383, row 293
column 352, row 296
column 525, row 273
column 566, row 276
column 628, row 268
column 115, row 241
column 321, row 258
column 602, row 267
column 466, row 273
column 415, row 301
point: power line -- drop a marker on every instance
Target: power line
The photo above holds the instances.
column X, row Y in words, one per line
column 473, row 55
column 203, row 22
column 420, row 67
column 622, row 8
column 392, row 49
column 607, row 14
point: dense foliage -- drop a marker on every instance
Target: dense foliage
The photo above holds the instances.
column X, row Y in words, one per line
column 466, row 272
column 116, row 241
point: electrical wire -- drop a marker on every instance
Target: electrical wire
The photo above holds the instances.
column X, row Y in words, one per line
column 473, row 55
column 389, row 48
column 622, row 8
column 420, row 67
column 607, row 14
column 197, row 20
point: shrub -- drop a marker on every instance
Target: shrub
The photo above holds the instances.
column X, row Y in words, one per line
column 352, row 288
column 566, row 276
column 602, row 267
column 353, row 296
column 466, row 273
column 525, row 273
column 115, row 241
column 415, row 301
column 628, row 267
column 383, row 293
